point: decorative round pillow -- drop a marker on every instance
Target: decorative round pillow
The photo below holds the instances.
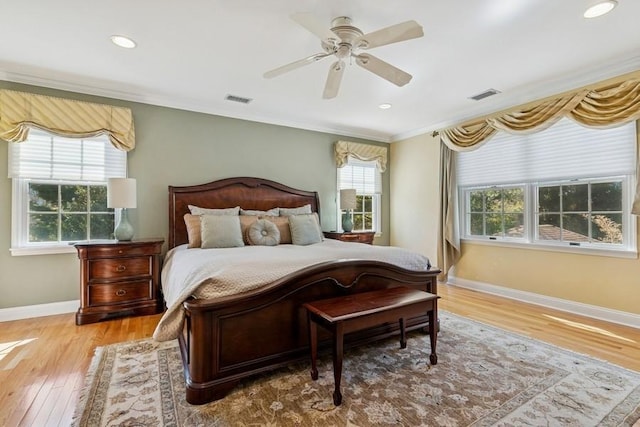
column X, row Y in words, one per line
column 263, row 233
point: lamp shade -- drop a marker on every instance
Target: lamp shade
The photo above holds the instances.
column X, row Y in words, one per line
column 348, row 198
column 121, row 193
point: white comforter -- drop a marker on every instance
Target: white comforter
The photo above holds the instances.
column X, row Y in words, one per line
column 211, row 273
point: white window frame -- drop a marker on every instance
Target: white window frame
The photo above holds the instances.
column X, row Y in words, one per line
column 465, row 194
column 628, row 225
column 376, row 194
column 20, row 244
column 628, row 249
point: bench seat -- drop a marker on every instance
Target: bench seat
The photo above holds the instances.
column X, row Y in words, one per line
column 350, row 313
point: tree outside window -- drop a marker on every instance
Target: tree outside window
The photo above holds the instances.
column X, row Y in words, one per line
column 496, row 212
column 63, row 213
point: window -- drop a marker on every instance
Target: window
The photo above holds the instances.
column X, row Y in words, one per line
column 60, row 191
column 565, row 187
column 581, row 212
column 367, row 181
column 496, row 212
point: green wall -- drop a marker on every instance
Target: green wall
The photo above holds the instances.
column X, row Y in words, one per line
column 177, row 147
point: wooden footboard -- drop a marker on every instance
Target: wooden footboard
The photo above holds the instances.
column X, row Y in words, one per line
column 231, row 338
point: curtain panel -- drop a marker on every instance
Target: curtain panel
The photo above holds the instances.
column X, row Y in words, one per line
column 20, row 111
column 364, row 152
column 448, row 237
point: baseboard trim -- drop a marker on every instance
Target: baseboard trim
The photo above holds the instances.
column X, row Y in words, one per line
column 600, row 313
column 38, row 310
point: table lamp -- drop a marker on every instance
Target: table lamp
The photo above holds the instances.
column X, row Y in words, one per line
column 347, row 202
column 121, row 194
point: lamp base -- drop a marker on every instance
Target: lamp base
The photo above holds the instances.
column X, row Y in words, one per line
column 347, row 224
column 124, row 230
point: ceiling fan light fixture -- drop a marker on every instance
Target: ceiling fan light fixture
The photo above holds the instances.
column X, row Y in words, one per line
column 343, row 41
column 600, row 8
column 123, row 41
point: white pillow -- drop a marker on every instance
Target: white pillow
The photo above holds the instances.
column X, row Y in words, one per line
column 196, row 210
column 264, row 233
column 305, row 229
column 220, row 231
column 270, row 212
column 306, row 209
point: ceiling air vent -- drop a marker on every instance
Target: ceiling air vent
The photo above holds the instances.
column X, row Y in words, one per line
column 487, row 93
column 239, row 99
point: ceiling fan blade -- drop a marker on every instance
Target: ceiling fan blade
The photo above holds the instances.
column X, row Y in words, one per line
column 393, row 34
column 312, row 24
column 297, row 64
column 333, row 80
column 383, row 69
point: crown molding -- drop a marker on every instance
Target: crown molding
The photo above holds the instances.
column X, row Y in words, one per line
column 189, row 105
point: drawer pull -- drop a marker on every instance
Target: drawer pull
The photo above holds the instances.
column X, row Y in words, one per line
column 121, row 292
column 121, row 268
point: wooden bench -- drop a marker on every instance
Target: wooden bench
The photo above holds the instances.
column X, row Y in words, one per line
column 351, row 313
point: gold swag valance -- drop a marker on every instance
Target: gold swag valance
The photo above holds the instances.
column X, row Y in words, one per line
column 364, row 152
column 609, row 106
column 20, row 111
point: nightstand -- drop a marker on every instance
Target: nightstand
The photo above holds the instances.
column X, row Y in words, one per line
column 355, row 236
column 119, row 278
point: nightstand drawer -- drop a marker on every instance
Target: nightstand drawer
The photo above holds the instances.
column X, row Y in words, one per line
column 118, row 251
column 124, row 292
column 120, row 267
column 356, row 236
column 346, row 237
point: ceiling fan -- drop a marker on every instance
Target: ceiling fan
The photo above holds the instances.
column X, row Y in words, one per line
column 344, row 41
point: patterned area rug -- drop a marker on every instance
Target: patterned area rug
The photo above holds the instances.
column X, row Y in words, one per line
column 484, row 377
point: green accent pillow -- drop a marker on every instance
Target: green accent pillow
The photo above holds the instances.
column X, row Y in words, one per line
column 305, row 229
column 220, row 231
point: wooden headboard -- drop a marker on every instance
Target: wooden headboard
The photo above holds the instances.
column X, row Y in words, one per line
column 248, row 193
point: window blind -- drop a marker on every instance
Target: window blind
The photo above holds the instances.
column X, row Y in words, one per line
column 566, row 150
column 364, row 176
column 49, row 157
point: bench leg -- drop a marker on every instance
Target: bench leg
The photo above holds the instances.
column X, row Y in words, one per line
column 337, row 362
column 313, row 345
column 433, row 333
column 403, row 333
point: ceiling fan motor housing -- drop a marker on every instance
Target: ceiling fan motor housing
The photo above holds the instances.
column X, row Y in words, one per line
column 347, row 34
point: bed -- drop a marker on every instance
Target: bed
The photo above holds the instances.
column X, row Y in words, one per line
column 228, row 338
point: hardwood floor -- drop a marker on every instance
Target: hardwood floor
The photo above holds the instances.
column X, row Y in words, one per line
column 43, row 361
column 607, row 341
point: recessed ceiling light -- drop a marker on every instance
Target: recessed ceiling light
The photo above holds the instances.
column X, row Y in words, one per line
column 123, row 41
column 384, row 106
column 600, row 8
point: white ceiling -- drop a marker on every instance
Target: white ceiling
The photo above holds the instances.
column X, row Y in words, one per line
column 192, row 53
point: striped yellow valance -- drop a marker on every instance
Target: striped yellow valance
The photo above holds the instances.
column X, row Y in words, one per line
column 364, row 152
column 606, row 105
column 20, row 111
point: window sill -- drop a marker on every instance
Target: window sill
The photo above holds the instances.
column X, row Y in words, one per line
column 620, row 253
column 43, row 250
